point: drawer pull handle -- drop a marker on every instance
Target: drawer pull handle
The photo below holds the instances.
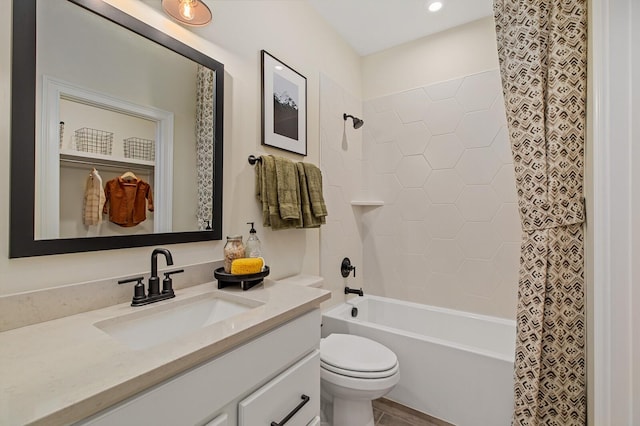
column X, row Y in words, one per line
column 305, row 399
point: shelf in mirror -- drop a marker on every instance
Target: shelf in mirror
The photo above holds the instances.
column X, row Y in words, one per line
column 72, row 155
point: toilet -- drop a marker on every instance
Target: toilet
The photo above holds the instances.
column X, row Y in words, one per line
column 354, row 371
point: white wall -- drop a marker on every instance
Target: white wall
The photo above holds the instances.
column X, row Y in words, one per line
column 614, row 227
column 634, row 18
column 460, row 51
column 241, row 29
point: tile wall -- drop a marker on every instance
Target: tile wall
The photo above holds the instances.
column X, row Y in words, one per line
column 448, row 233
column 341, row 164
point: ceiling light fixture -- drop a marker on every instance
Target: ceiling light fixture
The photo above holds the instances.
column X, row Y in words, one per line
column 189, row 12
column 434, row 5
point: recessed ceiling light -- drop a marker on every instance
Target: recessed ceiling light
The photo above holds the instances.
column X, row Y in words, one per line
column 433, row 5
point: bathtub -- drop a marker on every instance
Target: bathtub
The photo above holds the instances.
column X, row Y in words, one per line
column 455, row 366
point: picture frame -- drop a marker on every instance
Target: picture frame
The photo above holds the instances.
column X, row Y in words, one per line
column 284, row 106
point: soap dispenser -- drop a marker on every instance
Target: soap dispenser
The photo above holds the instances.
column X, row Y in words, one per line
column 253, row 247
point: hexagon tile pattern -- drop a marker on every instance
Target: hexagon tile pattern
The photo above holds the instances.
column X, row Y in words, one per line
column 341, row 163
column 454, row 215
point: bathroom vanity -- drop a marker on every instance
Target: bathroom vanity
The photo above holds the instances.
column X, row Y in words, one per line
column 256, row 366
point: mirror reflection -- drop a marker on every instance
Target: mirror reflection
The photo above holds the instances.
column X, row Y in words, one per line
column 110, row 120
column 127, row 132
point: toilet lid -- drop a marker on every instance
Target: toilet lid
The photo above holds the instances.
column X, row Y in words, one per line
column 356, row 353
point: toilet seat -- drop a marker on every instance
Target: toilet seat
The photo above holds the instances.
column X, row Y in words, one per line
column 357, row 357
column 360, row 374
column 355, row 385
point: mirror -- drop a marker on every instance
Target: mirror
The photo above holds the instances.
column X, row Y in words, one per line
column 80, row 81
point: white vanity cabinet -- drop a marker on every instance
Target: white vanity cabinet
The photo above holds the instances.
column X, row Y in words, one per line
column 257, row 383
column 292, row 398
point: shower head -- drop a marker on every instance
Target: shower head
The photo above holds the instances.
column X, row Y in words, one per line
column 357, row 123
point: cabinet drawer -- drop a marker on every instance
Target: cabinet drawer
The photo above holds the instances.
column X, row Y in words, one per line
column 274, row 401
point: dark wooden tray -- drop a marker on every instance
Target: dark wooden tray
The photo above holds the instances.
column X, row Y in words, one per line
column 245, row 281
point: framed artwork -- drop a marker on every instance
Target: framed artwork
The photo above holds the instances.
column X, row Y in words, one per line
column 284, row 106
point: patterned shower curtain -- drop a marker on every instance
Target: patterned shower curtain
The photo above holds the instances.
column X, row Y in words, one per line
column 205, row 131
column 542, row 52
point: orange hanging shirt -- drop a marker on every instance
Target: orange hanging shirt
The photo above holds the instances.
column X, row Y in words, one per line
column 127, row 201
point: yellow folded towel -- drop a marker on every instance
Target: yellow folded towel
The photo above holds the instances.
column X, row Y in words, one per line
column 247, row 265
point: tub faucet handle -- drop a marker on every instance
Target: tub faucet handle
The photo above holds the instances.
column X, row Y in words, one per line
column 346, row 267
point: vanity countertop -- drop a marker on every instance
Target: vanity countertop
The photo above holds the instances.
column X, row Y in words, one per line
column 64, row 370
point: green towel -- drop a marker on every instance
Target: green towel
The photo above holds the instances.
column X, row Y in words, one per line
column 264, row 167
column 267, row 193
column 290, row 193
column 314, row 182
column 309, row 220
column 288, row 189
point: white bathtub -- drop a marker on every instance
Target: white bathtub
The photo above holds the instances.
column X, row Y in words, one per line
column 454, row 365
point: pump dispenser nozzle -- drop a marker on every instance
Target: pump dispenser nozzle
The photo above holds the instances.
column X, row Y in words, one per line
column 253, row 247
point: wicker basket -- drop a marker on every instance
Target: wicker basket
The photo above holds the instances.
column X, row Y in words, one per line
column 94, row 140
column 141, row 149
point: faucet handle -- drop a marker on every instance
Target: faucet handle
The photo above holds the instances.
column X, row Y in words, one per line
column 138, row 289
column 346, row 267
column 177, row 271
column 167, row 283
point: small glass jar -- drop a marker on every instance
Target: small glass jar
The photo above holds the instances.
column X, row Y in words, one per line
column 233, row 249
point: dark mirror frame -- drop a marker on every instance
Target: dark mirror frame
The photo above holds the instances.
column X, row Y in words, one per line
column 23, row 141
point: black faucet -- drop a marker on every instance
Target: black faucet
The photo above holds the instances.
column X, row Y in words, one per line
column 154, row 280
column 348, row 290
column 154, row 294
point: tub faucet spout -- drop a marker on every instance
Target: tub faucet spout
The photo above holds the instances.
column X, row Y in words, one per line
column 348, row 290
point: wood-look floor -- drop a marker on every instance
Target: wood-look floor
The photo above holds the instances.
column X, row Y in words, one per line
column 390, row 413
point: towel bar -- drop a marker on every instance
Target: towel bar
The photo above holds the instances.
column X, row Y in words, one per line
column 253, row 159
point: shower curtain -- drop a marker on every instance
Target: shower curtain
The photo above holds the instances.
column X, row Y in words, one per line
column 205, row 130
column 542, row 53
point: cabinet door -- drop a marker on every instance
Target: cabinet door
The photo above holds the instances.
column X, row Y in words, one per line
column 294, row 394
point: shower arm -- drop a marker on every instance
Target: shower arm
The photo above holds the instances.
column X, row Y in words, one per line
column 357, row 122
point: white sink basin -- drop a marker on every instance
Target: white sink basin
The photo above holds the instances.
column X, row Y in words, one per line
column 155, row 325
